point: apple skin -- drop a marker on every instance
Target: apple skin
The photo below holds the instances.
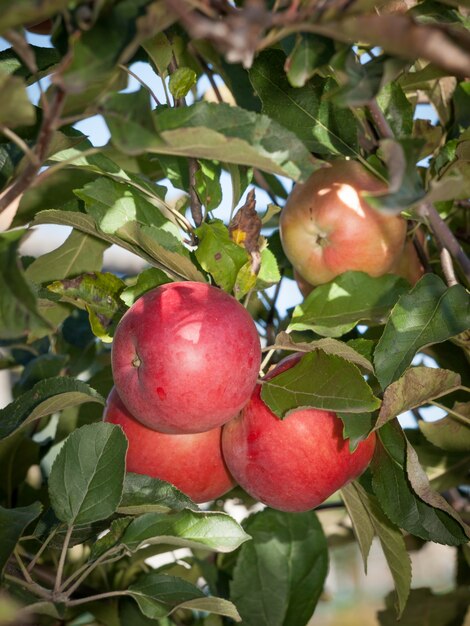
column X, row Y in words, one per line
column 409, row 265
column 292, row 464
column 327, row 228
column 185, row 358
column 193, row 463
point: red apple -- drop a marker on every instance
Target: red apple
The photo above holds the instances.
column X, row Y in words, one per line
column 409, row 264
column 327, row 227
column 292, row 464
column 185, row 358
column 193, row 463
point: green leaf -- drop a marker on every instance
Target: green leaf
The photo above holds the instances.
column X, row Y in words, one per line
column 87, row 476
column 356, row 427
column 267, row 276
column 78, row 254
column 99, row 293
column 279, row 575
column 335, row 308
column 18, row 307
column 208, row 185
column 309, row 111
column 367, row 517
column 218, row 254
column 284, row 341
column 145, row 241
column 16, row 109
column 322, row 381
column 405, row 184
column 46, row 397
column 12, row 525
column 111, row 538
column 46, row 59
column 208, row 131
column 113, row 204
column 430, row 313
column 146, row 280
column 210, row 531
column 43, row 366
column 449, row 433
column 23, row 12
column 397, row 109
column 399, row 501
column 357, row 509
column 181, row 82
column 310, row 52
column 160, row 52
column 159, row 595
column 429, row 609
column 417, row 386
column 143, row 494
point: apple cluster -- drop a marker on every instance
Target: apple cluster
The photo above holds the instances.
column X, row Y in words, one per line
column 185, row 360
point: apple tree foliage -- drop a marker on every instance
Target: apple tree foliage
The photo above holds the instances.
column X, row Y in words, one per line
column 294, row 85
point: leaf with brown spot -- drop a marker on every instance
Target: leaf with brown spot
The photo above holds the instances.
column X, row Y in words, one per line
column 245, row 229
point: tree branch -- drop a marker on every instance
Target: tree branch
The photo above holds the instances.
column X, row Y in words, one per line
column 25, row 179
column 63, row 555
column 195, row 203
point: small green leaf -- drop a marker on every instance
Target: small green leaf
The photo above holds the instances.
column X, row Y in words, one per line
column 210, row 531
column 46, row 397
column 208, row 185
column 159, row 595
column 279, row 575
column 78, row 254
column 16, row 109
column 430, row 313
column 449, row 433
column 146, row 280
column 218, row 254
column 87, row 476
column 12, row 525
column 336, row 307
column 143, row 494
column 397, row 497
column 160, row 52
column 111, row 538
column 310, row 52
column 360, row 519
column 181, row 81
column 419, row 385
column 267, row 276
column 356, row 427
column 99, row 293
column 322, row 381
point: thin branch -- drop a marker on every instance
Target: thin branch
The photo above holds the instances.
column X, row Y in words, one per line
column 196, row 207
column 63, row 555
column 448, row 267
column 34, row 587
column 459, row 416
column 380, row 121
column 85, row 571
column 139, row 80
column 99, row 596
column 445, row 236
column 25, row 179
column 23, row 569
column 16, row 139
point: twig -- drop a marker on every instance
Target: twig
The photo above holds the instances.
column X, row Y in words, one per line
column 12, row 136
column 380, row 121
column 139, row 80
column 448, row 268
column 83, row 572
column 34, row 587
column 99, row 596
column 23, row 569
column 63, row 555
column 195, row 203
column 459, row 416
column 25, row 179
column 445, row 236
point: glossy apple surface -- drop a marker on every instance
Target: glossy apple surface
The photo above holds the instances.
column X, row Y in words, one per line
column 292, row 464
column 409, row 265
column 327, row 228
column 193, row 463
column 185, row 358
